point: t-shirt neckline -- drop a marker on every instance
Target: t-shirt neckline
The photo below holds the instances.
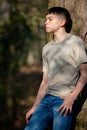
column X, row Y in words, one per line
column 53, row 42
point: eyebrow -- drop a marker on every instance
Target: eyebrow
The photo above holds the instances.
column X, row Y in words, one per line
column 49, row 17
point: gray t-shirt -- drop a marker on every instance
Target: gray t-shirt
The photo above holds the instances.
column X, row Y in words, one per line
column 62, row 61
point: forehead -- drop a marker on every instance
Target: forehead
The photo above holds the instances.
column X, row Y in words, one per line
column 52, row 15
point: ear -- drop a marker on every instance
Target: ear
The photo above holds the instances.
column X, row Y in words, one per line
column 62, row 22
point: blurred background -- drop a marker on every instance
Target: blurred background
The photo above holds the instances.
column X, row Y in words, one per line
column 22, row 37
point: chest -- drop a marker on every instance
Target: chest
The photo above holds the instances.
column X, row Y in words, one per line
column 59, row 55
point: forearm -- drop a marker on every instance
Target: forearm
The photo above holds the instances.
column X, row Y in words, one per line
column 77, row 90
column 41, row 93
column 80, row 84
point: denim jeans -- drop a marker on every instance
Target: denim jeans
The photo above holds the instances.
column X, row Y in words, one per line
column 46, row 115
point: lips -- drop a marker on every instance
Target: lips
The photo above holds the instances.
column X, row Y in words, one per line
column 46, row 27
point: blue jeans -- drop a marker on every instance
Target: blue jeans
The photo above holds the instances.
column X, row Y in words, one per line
column 46, row 115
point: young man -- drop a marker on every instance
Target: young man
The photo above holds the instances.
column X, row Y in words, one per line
column 64, row 75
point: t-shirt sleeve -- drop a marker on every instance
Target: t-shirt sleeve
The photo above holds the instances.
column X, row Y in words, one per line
column 80, row 52
column 44, row 61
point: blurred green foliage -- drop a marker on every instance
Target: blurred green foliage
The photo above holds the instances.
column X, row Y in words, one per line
column 17, row 34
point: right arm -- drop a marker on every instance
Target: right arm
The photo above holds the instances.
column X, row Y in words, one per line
column 41, row 93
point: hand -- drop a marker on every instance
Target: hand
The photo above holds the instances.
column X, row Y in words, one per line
column 29, row 114
column 67, row 105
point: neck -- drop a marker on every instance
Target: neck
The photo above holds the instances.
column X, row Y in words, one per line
column 60, row 35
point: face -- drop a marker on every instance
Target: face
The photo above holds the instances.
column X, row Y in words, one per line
column 53, row 23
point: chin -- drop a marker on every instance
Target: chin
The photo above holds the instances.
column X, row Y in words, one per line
column 48, row 31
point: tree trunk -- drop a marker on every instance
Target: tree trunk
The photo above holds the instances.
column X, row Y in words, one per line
column 78, row 11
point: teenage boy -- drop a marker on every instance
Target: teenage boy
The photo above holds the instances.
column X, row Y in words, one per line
column 64, row 75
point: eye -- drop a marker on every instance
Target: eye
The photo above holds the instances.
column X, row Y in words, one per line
column 50, row 19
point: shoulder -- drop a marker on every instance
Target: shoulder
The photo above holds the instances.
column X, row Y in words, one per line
column 77, row 40
column 47, row 46
column 75, row 37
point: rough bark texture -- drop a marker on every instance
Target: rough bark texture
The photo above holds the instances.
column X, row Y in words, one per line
column 78, row 10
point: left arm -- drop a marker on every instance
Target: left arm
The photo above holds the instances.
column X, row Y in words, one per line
column 69, row 100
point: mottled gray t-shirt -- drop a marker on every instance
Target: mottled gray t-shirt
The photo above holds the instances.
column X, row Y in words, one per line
column 61, row 60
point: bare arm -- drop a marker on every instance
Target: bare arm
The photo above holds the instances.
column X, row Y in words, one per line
column 69, row 100
column 81, row 82
column 41, row 93
column 42, row 90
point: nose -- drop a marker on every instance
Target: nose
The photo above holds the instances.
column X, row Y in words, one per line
column 46, row 21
